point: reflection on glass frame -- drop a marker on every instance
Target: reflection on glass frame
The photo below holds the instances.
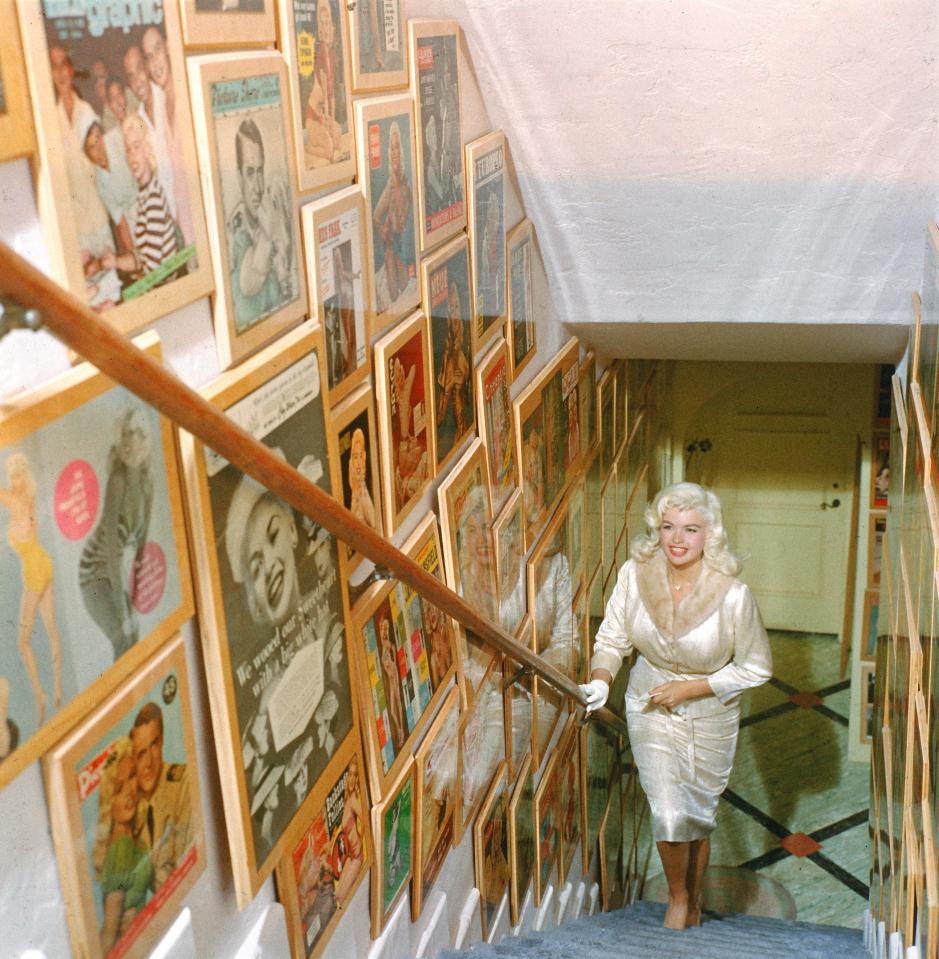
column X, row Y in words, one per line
column 520, row 329
column 448, row 304
column 272, row 608
column 385, row 146
column 379, row 51
column 123, row 794
column 587, row 395
column 880, row 470
column 437, row 789
column 496, row 422
column 17, row 137
column 393, row 831
column 403, row 391
column 95, row 548
column 491, row 850
column 545, row 828
column 435, row 85
column 315, row 47
column 210, row 23
column 133, row 245
column 521, row 838
column 337, row 282
column 508, row 535
column 240, row 112
column 318, row 877
column 876, row 527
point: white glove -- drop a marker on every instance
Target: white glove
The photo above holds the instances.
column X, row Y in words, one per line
column 596, row 693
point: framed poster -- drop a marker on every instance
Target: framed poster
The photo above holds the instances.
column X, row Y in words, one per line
column 876, row 528
column 546, row 706
column 123, row 794
column 520, row 330
column 521, row 838
column 317, row 880
column 570, row 813
column 337, row 280
column 435, row 86
column 384, row 134
column 17, row 138
column 546, row 826
column 508, row 534
column 249, row 177
column 379, row 45
column 354, row 425
column 93, row 561
column 551, row 594
column 403, row 390
column 393, row 829
column 496, row 422
column 119, row 187
column 610, row 523
column 620, row 433
column 587, row 397
column 316, row 47
column 485, row 176
column 491, row 849
column 606, row 407
column 228, row 23
column 593, row 536
column 272, row 609
column 437, row 790
column 576, row 554
column 448, row 303
column 529, row 432
column 880, row 470
column 869, row 625
column 518, row 705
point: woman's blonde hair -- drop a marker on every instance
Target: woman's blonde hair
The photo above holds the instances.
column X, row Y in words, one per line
column 121, row 748
column 684, row 497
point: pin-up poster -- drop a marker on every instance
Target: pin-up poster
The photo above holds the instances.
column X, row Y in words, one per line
column 438, row 627
column 359, row 469
column 489, row 237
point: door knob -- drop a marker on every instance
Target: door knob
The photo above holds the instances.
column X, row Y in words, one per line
column 834, row 504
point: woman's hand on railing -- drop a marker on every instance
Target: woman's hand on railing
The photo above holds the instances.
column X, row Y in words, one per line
column 596, row 693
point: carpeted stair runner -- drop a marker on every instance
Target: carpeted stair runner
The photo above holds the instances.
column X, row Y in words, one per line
column 636, row 932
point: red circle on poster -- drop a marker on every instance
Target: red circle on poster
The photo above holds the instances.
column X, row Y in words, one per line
column 76, row 499
column 148, row 577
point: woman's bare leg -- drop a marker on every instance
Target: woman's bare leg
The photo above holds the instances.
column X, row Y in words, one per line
column 675, row 858
column 28, row 605
column 47, row 612
column 698, row 856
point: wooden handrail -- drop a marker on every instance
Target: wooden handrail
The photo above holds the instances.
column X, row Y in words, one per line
column 83, row 331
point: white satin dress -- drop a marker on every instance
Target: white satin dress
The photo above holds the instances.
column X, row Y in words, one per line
column 684, row 756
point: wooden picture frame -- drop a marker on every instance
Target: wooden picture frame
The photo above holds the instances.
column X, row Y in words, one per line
column 90, row 474
column 561, row 422
column 246, row 23
column 593, row 527
column 447, row 299
column 876, row 527
column 521, row 838
column 273, row 621
column 403, row 391
column 545, row 808
column 378, row 41
column 337, row 283
column 508, row 535
column 386, row 166
column 393, row 832
column 315, row 43
column 547, row 705
column 435, row 85
column 318, row 878
column 880, row 470
column 520, row 328
column 249, row 175
column 587, row 397
column 869, row 625
column 570, row 804
column 123, row 793
column 529, row 436
column 485, row 178
column 131, row 252
column 576, row 532
column 518, row 705
column 496, row 422
column 359, row 489
column 491, row 850
column 17, row 136
column 437, row 788
column 606, row 411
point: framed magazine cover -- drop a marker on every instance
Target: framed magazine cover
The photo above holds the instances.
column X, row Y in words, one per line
column 545, row 806
column 118, row 184
column 315, row 44
column 876, row 528
column 379, row 45
column 403, row 391
column 587, row 396
column 530, row 437
column 485, row 177
column 228, row 23
column 126, row 816
column 272, row 609
column 249, row 176
column 508, row 535
column 435, row 85
column 318, row 878
column 518, row 706
column 393, row 831
column 869, row 625
column 338, row 285
column 496, row 422
column 570, row 812
column 386, row 170
column 520, row 330
column 521, row 838
column 94, row 563
column 491, row 849
column 880, row 470
column 448, row 303
column 17, row 137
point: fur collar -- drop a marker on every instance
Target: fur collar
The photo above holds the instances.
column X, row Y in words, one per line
column 707, row 594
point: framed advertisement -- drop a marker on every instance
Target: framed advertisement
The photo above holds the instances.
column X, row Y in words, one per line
column 228, row 23
column 337, row 281
column 880, row 470
column 520, row 330
column 437, row 790
column 94, row 560
column 876, row 528
column 435, row 86
column 448, row 304
column 521, row 838
column 353, row 423
column 385, row 143
column 272, row 609
column 491, row 850
column 529, row 432
column 393, row 830
column 545, row 830
column 508, row 534
column 485, row 177
column 123, row 793
column 403, row 391
column 587, row 396
column 118, row 182
column 379, row 52
column 17, row 137
column 317, row 880
column 570, row 812
column 496, row 422
column 315, row 45
column 249, row 177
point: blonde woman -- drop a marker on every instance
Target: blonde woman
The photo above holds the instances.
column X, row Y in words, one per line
column 701, row 642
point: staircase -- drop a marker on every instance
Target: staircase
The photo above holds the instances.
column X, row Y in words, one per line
column 636, row 932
